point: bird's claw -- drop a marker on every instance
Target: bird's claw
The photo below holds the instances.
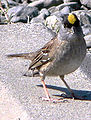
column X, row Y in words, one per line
column 53, row 100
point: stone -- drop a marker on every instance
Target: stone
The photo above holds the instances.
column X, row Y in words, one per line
column 53, row 22
column 88, row 40
column 18, row 1
column 2, row 19
column 39, row 19
column 22, row 13
column 43, row 14
column 74, row 5
column 52, row 9
column 20, row 96
column 45, row 3
column 86, row 3
column 66, row 10
column 66, row 1
column 84, row 16
column 86, row 29
column 57, row 14
column 10, row 3
column 14, row 10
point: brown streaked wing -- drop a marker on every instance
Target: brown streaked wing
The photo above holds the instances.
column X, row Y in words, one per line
column 42, row 55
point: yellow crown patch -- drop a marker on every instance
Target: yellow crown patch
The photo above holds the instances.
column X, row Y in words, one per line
column 71, row 19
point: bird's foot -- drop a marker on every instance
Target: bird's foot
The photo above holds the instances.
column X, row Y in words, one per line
column 53, row 100
column 73, row 96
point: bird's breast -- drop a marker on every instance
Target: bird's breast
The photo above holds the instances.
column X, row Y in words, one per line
column 68, row 58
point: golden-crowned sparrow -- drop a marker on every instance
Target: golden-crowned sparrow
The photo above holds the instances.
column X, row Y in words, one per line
column 61, row 55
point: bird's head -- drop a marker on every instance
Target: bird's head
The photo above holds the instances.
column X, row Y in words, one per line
column 70, row 20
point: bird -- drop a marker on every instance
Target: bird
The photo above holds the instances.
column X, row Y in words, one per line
column 62, row 55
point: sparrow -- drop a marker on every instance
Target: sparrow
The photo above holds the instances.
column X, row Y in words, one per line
column 62, row 55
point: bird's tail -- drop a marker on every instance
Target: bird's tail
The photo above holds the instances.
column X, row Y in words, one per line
column 22, row 55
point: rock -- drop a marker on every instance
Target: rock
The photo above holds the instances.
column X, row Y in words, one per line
column 14, row 10
column 18, row 1
column 73, row 5
column 53, row 23
column 20, row 96
column 4, row 4
column 57, row 14
column 9, row 3
column 2, row 19
column 86, row 29
column 33, row 0
column 45, row 3
column 88, row 40
column 84, row 16
column 83, row 8
column 43, row 14
column 38, row 19
column 86, row 3
column 60, row 13
column 22, row 12
column 12, row 3
column 25, row 34
column 66, row 10
column 52, row 9
column 61, row 9
column 66, row 1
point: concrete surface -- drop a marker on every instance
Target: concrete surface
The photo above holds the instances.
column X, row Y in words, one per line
column 20, row 96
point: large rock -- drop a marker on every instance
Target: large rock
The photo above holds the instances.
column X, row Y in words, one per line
column 45, row 3
column 24, row 33
column 86, row 29
column 22, row 13
column 43, row 14
column 74, row 5
column 84, row 16
column 88, row 40
column 20, row 96
column 66, row 1
column 2, row 19
column 53, row 22
column 9, row 3
column 66, row 10
column 86, row 3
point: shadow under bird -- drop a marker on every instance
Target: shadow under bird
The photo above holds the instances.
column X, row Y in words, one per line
column 61, row 55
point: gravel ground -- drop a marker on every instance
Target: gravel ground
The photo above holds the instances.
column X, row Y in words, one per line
column 20, row 96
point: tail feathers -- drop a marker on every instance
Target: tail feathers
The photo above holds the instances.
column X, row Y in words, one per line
column 22, row 55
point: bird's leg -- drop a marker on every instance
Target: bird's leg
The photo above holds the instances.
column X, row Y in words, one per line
column 70, row 90
column 48, row 98
column 45, row 88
